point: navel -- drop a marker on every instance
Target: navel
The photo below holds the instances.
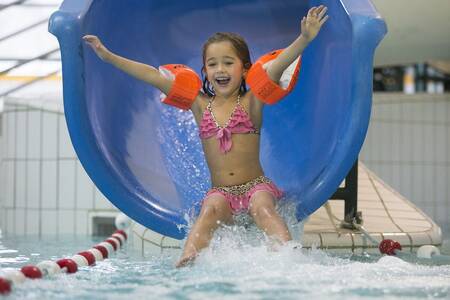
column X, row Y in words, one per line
column 231, row 174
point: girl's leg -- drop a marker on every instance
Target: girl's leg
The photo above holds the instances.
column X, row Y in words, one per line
column 262, row 209
column 215, row 210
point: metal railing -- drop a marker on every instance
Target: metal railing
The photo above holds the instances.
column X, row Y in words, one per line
column 349, row 193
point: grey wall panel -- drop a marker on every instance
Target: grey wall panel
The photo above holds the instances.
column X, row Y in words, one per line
column 408, row 145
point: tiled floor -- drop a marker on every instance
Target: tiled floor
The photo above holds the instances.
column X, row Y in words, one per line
column 385, row 214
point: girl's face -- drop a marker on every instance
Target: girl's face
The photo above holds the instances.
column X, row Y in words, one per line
column 224, row 69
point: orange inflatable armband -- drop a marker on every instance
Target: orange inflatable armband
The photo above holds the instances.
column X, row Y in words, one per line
column 263, row 87
column 185, row 88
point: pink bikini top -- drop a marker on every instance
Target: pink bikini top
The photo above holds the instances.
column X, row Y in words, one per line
column 239, row 122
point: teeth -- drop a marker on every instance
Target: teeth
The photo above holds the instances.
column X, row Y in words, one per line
column 222, row 80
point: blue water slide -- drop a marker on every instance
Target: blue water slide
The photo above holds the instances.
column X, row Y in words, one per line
column 146, row 157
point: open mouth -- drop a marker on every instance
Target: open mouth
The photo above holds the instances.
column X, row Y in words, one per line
column 223, row 81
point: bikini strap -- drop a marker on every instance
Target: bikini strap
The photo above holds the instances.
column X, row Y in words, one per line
column 208, row 107
column 256, row 131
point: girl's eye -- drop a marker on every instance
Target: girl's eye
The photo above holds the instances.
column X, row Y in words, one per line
column 228, row 63
column 211, row 65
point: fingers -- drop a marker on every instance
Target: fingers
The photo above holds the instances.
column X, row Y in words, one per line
column 88, row 37
column 322, row 12
column 317, row 12
column 323, row 20
column 91, row 38
column 313, row 21
column 311, row 12
column 94, row 42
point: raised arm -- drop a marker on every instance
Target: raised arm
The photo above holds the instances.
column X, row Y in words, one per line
column 138, row 70
column 310, row 27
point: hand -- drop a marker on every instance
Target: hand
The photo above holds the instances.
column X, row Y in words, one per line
column 97, row 46
column 313, row 21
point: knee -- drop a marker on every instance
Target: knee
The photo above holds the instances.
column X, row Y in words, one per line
column 214, row 211
column 208, row 212
column 262, row 212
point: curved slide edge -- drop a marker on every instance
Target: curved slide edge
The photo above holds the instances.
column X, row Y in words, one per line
column 368, row 29
column 66, row 25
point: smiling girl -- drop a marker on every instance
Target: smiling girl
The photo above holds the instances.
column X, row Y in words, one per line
column 229, row 119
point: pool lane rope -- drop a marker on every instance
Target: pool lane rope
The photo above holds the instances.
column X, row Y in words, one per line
column 48, row 268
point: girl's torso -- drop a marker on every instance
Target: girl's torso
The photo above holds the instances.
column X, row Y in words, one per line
column 241, row 162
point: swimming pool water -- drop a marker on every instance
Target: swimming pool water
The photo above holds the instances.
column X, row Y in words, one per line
column 234, row 267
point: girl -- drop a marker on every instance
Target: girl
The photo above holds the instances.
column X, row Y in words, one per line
column 226, row 111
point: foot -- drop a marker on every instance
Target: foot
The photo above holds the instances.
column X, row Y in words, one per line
column 186, row 260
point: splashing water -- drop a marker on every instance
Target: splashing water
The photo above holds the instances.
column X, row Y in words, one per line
column 240, row 264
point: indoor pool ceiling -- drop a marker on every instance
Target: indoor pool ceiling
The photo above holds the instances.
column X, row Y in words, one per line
column 418, row 31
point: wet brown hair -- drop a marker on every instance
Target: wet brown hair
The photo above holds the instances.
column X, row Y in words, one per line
column 241, row 48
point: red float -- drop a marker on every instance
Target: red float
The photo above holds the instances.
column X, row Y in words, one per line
column 103, row 250
column 69, row 264
column 89, row 257
column 122, row 232
column 5, row 286
column 112, row 242
column 389, row 246
column 31, row 272
column 117, row 238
